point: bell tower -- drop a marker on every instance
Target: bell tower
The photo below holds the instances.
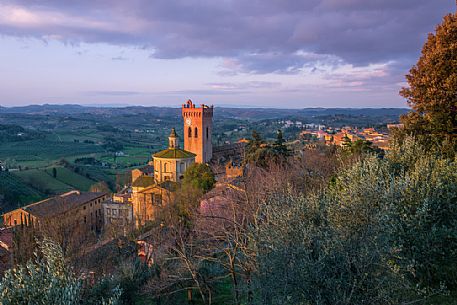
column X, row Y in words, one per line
column 198, row 128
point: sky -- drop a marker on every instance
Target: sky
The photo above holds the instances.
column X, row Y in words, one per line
column 263, row 53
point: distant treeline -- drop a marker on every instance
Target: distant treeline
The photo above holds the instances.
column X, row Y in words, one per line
column 14, row 133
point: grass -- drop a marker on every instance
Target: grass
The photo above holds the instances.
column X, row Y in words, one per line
column 36, row 153
column 71, row 178
column 100, row 174
column 18, row 192
column 43, row 182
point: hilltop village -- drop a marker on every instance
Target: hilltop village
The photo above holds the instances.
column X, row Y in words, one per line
column 83, row 219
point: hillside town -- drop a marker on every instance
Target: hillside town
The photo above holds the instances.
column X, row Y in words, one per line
column 89, row 222
column 86, row 216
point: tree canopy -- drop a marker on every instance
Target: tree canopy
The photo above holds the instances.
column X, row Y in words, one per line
column 432, row 90
column 262, row 153
column 200, row 176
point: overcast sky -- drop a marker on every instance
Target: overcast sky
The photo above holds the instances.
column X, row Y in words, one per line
column 270, row 53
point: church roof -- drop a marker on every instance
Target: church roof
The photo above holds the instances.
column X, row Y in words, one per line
column 174, row 153
column 143, row 181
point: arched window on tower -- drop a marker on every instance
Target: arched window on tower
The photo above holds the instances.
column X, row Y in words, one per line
column 196, row 132
column 207, row 133
column 189, row 132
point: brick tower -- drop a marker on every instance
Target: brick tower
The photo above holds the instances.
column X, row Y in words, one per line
column 198, row 127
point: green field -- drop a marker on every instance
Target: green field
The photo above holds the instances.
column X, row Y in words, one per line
column 65, row 180
column 17, row 192
column 43, row 181
column 71, row 178
column 36, row 153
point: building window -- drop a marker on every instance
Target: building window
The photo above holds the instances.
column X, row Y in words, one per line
column 207, row 133
column 196, row 132
column 108, row 211
column 189, row 132
column 114, row 212
column 85, row 219
column 165, row 167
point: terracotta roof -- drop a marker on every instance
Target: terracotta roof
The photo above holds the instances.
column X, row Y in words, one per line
column 61, row 204
column 143, row 181
column 174, row 153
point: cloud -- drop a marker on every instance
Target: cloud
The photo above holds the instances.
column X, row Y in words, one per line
column 244, row 85
column 256, row 36
column 228, row 88
column 112, row 93
column 119, row 58
column 203, row 92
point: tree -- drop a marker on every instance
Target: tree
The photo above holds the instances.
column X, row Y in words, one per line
column 263, row 154
column 279, row 146
column 54, row 172
column 101, row 186
column 382, row 232
column 432, row 91
column 200, row 176
column 47, row 280
column 361, row 147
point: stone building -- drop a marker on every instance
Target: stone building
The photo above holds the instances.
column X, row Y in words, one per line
column 75, row 209
column 119, row 214
column 73, row 219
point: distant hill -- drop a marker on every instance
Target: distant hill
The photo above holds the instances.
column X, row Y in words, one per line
column 221, row 112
